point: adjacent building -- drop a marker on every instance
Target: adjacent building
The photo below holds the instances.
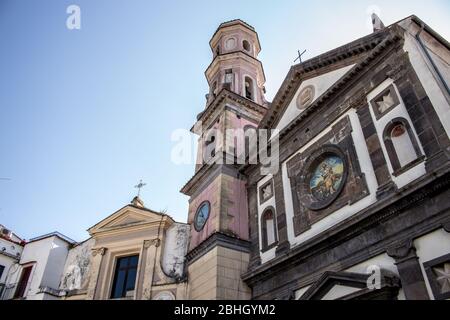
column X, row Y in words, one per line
column 11, row 247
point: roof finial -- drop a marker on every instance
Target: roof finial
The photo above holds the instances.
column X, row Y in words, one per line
column 139, row 186
column 136, row 200
column 299, row 58
column 377, row 23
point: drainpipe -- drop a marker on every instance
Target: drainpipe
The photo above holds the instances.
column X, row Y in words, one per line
column 430, row 59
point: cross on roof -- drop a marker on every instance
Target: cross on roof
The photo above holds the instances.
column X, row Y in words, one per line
column 139, row 186
column 300, row 56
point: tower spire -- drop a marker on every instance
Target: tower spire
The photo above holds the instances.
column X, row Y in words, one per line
column 377, row 23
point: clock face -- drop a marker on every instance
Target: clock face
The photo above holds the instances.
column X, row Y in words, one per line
column 201, row 216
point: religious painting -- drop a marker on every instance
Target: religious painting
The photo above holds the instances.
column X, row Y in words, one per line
column 322, row 177
column 327, row 178
column 305, row 97
column 385, row 102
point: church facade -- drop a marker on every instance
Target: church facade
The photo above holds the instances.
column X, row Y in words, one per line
column 354, row 206
column 358, row 206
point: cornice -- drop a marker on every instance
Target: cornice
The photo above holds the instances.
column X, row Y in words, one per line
column 224, row 96
column 233, row 55
column 215, row 240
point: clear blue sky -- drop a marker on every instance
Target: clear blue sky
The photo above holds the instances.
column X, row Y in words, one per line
column 85, row 114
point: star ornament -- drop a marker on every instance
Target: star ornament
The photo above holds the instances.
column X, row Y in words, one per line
column 387, row 102
column 443, row 277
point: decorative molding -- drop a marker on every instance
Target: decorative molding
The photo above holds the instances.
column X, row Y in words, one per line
column 100, row 251
column 217, row 239
column 262, row 189
column 438, row 273
column 153, row 242
column 402, row 251
column 353, row 187
column 354, row 280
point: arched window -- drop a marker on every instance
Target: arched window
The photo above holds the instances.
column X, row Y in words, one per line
column 251, row 141
column 268, row 229
column 248, row 87
column 210, row 144
column 401, row 145
column 246, row 45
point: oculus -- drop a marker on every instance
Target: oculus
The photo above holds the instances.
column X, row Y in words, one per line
column 323, row 177
column 305, row 97
column 201, row 216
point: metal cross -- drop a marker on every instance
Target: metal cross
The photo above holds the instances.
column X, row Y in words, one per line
column 139, row 186
column 300, row 56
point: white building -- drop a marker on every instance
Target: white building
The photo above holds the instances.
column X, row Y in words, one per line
column 37, row 275
column 11, row 247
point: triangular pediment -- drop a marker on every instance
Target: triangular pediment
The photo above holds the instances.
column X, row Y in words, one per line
column 309, row 91
column 349, row 285
column 128, row 216
column 326, row 72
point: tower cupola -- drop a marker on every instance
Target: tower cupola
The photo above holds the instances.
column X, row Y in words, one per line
column 235, row 66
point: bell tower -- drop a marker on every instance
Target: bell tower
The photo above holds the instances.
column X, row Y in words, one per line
column 235, row 67
column 219, row 242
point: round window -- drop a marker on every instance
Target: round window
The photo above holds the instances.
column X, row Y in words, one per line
column 246, row 45
column 201, row 216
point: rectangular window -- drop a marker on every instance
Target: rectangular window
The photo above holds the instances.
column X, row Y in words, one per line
column 228, row 76
column 125, row 277
column 2, row 268
column 23, row 283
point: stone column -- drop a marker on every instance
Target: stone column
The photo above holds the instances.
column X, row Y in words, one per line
column 97, row 258
column 409, row 270
column 255, row 258
column 283, row 241
column 150, row 253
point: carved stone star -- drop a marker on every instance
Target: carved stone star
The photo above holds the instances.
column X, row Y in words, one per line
column 387, row 102
column 443, row 277
column 267, row 192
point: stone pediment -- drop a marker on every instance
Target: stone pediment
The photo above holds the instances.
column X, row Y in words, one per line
column 129, row 216
column 331, row 70
column 309, row 91
column 348, row 285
